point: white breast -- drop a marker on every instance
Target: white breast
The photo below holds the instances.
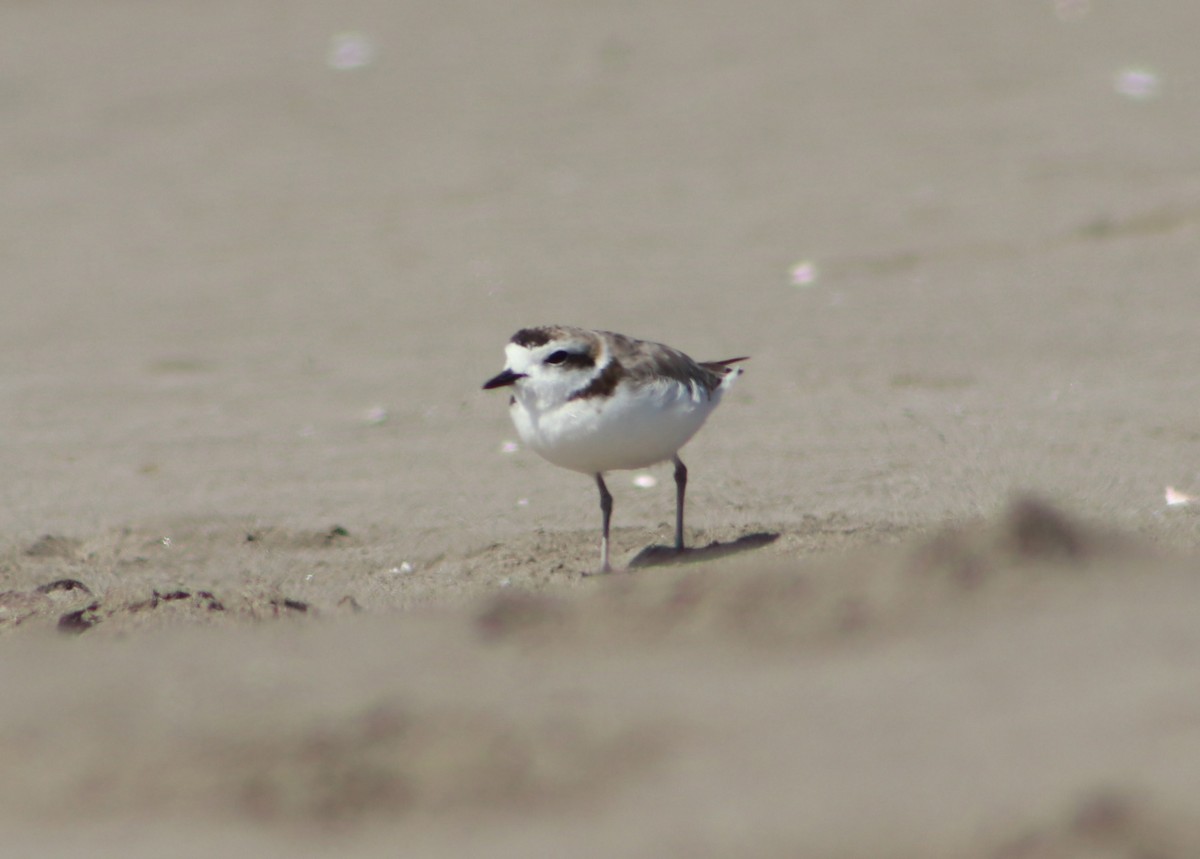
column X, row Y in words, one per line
column 633, row 428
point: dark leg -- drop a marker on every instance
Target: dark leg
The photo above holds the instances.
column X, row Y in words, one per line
column 606, row 512
column 680, row 489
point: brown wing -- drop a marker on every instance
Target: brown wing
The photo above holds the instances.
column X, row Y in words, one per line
column 642, row 363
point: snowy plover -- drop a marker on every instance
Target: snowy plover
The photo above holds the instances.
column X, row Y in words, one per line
column 595, row 401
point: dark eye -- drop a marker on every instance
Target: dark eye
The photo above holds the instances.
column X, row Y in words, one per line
column 558, row 357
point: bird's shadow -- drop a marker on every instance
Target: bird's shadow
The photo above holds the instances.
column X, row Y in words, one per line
column 657, row 556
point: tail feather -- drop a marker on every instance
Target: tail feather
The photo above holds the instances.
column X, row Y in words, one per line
column 722, row 367
column 724, row 371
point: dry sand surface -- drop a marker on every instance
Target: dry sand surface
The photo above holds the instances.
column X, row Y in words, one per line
column 272, row 583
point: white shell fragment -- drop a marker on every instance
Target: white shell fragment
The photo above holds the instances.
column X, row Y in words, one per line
column 376, row 415
column 1175, row 498
column 349, row 50
column 1137, row 83
column 645, row 481
column 803, row 273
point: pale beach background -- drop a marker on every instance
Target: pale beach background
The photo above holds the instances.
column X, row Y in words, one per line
column 274, row 580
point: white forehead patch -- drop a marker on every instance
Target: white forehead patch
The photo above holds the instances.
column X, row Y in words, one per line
column 518, row 358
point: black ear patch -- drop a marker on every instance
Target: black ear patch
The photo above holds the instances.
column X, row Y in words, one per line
column 604, row 383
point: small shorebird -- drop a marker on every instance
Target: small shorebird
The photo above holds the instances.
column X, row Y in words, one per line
column 596, row 401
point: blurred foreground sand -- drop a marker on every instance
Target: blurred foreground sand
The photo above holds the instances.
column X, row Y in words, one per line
column 1024, row 688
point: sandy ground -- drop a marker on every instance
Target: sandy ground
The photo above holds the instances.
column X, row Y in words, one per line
column 272, row 584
